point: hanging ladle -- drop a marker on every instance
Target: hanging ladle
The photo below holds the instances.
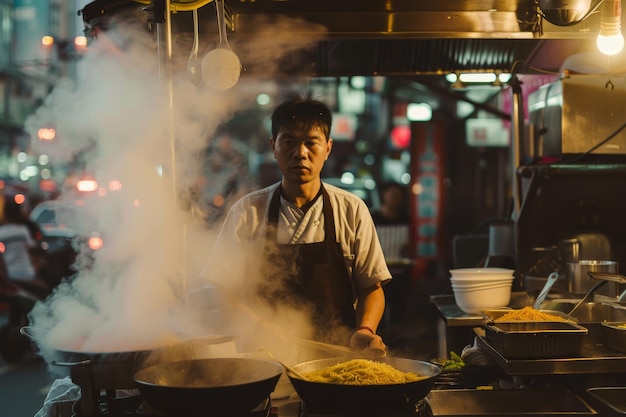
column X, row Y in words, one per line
column 221, row 67
column 194, row 66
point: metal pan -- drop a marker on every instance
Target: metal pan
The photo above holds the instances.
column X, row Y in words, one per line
column 358, row 400
column 64, row 361
column 111, row 368
column 203, row 386
column 63, row 354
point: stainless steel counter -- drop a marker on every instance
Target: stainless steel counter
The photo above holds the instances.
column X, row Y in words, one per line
column 471, row 402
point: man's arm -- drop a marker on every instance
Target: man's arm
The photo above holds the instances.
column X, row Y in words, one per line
column 369, row 312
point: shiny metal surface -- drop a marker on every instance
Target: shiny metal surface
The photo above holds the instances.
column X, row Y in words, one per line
column 589, row 312
column 458, row 18
column 595, row 358
column 508, row 403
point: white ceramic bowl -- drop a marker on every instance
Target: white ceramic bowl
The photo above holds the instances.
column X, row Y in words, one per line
column 476, row 300
column 481, row 274
column 480, row 284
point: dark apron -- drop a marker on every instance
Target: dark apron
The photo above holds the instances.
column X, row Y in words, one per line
column 311, row 275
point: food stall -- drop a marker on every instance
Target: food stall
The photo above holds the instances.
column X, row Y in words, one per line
column 585, row 360
column 584, row 383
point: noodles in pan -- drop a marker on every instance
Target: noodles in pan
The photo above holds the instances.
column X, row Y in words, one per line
column 528, row 314
column 362, row 372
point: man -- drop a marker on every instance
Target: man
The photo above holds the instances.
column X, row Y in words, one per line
column 312, row 246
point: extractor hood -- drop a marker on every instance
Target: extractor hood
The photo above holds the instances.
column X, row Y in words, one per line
column 389, row 37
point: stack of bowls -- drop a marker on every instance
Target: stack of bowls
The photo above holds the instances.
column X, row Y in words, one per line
column 479, row 289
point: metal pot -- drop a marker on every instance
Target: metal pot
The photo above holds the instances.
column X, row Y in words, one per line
column 358, row 400
column 580, row 283
column 206, row 386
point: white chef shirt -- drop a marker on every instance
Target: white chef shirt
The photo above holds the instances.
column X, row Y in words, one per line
column 241, row 239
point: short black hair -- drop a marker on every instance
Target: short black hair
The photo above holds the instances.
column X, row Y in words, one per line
column 302, row 113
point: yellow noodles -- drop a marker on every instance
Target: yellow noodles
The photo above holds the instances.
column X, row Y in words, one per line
column 528, row 314
column 362, row 372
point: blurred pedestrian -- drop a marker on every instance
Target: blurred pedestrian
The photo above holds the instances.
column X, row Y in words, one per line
column 392, row 226
column 20, row 248
column 392, row 221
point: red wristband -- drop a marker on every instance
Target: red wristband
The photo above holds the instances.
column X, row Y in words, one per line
column 366, row 328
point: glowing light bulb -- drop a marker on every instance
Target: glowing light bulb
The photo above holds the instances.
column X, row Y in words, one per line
column 610, row 40
column 611, row 44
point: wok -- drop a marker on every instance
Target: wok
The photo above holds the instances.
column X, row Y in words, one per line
column 108, row 369
column 207, row 386
column 358, row 400
column 116, row 369
column 73, row 354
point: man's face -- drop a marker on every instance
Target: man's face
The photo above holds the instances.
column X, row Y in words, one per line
column 301, row 154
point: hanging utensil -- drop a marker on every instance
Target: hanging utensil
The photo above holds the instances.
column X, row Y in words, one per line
column 194, row 66
column 546, row 289
column 221, row 67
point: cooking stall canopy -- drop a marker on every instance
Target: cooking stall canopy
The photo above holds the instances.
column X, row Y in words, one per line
column 416, row 42
column 407, row 37
column 401, row 37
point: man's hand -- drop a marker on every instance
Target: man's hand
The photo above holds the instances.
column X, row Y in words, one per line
column 364, row 340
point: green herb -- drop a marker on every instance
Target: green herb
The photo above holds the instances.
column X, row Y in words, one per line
column 455, row 363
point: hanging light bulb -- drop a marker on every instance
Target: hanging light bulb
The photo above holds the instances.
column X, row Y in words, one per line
column 610, row 40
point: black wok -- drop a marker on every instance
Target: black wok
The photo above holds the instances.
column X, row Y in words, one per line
column 112, row 369
column 359, row 400
column 215, row 386
column 105, row 369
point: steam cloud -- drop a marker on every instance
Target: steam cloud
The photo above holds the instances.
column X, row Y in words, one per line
column 118, row 119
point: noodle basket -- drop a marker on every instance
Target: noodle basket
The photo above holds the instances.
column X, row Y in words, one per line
column 334, row 397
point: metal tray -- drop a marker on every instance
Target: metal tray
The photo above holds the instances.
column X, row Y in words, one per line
column 490, row 316
column 507, row 402
column 615, row 335
column 595, row 358
column 612, row 398
column 538, row 339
